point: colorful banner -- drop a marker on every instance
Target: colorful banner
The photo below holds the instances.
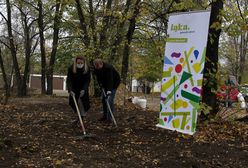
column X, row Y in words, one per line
column 183, row 71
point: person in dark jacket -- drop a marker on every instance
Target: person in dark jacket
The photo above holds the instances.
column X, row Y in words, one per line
column 78, row 79
column 109, row 80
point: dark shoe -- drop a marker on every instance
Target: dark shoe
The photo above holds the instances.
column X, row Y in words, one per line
column 102, row 119
column 107, row 122
column 78, row 124
column 75, row 123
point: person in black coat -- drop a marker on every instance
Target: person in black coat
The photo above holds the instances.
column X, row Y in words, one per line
column 78, row 79
column 109, row 80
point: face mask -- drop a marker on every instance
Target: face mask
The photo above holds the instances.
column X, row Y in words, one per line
column 80, row 66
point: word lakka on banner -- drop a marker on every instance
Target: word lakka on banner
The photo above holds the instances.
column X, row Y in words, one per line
column 181, row 28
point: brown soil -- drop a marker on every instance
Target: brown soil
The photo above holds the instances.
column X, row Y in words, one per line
column 37, row 132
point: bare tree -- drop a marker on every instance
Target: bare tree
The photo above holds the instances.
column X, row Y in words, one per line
column 6, row 85
column 56, row 27
column 42, row 46
column 243, row 40
column 119, row 33
column 128, row 41
column 83, row 24
column 30, row 41
column 12, row 47
column 27, row 38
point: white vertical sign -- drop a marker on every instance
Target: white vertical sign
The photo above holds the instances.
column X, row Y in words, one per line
column 184, row 61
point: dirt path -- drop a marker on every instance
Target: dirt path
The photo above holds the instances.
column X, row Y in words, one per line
column 37, row 132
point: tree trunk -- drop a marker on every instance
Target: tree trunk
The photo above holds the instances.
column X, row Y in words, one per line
column 243, row 51
column 18, row 76
column 6, row 85
column 211, row 65
column 27, row 25
column 119, row 34
column 42, row 47
column 83, row 25
column 105, row 26
column 27, row 46
column 128, row 41
column 93, row 25
column 57, row 19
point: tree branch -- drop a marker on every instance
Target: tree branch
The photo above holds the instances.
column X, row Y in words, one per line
column 240, row 10
column 3, row 17
column 34, row 46
column 31, row 4
column 5, row 44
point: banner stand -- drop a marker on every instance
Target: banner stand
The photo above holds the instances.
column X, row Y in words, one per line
column 182, row 76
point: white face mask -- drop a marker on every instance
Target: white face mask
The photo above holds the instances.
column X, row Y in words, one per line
column 80, row 66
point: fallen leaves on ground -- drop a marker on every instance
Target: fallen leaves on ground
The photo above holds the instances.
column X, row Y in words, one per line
column 38, row 132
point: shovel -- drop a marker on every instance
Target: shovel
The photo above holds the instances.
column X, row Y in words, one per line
column 110, row 111
column 81, row 122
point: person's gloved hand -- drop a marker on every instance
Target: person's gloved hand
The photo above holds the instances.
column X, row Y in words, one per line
column 82, row 93
column 72, row 93
column 108, row 93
